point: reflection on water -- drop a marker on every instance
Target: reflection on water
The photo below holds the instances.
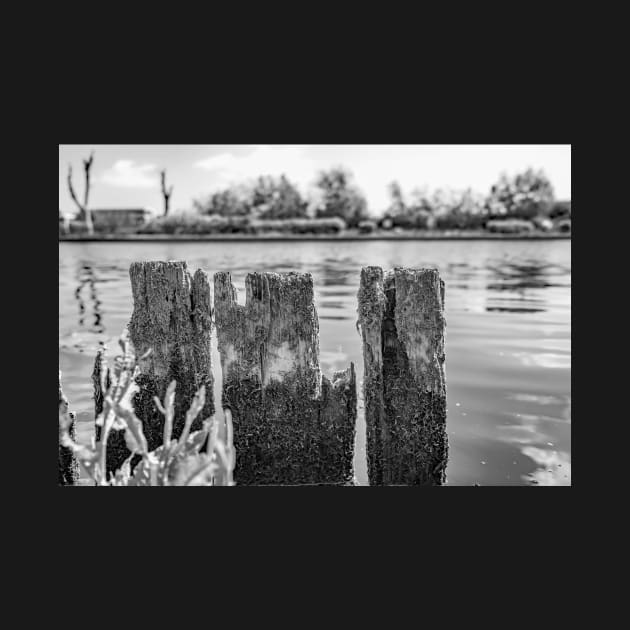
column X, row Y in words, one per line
column 513, row 309
column 555, row 467
column 525, row 274
column 516, row 283
column 86, row 277
column 87, row 326
column 508, row 342
column 544, row 359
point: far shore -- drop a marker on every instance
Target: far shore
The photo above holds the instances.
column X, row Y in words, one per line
column 344, row 236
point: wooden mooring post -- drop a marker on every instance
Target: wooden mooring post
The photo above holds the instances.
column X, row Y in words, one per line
column 292, row 426
column 401, row 315
column 117, row 451
column 68, row 464
column 172, row 316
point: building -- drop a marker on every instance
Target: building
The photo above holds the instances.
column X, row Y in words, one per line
column 120, row 219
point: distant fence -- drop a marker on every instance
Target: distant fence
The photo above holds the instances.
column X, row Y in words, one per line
column 292, row 424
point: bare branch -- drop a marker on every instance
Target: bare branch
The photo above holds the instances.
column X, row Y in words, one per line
column 84, row 214
column 72, row 193
column 165, row 193
column 87, row 164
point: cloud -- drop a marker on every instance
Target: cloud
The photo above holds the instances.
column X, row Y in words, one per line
column 291, row 161
column 128, row 174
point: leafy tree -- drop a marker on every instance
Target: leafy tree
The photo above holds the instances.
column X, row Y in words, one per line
column 339, row 198
column 444, row 209
column 397, row 205
column 415, row 214
column 273, row 198
column 422, row 201
column 456, row 209
column 230, row 202
column 267, row 198
column 523, row 196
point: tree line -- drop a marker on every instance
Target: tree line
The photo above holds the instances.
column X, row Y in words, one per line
column 335, row 196
column 523, row 196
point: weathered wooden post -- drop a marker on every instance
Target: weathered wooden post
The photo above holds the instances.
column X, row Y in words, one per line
column 68, row 464
column 401, row 315
column 292, row 426
column 172, row 315
column 117, row 451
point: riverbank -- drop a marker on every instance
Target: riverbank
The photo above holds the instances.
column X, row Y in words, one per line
column 344, row 236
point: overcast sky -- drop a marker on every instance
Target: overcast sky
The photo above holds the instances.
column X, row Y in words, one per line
column 127, row 175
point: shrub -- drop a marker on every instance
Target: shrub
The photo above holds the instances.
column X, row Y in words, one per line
column 412, row 219
column 196, row 224
column 560, row 210
column 367, row 227
column 299, row 226
column 543, row 223
column 64, row 223
column 76, row 226
column 176, row 463
column 407, row 216
column 230, row 225
column 339, row 198
column 524, row 196
column 215, row 224
column 460, row 221
column 509, row 226
column 386, row 223
column 563, row 225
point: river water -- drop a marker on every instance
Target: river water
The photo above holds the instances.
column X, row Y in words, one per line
column 508, row 339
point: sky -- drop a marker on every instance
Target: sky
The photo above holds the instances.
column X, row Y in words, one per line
column 128, row 175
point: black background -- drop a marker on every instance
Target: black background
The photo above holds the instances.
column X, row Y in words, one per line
column 491, row 543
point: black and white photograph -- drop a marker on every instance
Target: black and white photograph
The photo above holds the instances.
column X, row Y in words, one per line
column 314, row 315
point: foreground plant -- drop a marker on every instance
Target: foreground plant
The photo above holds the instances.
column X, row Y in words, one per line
column 182, row 462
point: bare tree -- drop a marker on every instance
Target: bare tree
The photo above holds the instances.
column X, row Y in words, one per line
column 84, row 212
column 166, row 193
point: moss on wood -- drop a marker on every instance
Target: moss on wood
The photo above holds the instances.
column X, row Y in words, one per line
column 68, row 464
column 401, row 315
column 172, row 316
column 291, row 424
column 117, row 451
